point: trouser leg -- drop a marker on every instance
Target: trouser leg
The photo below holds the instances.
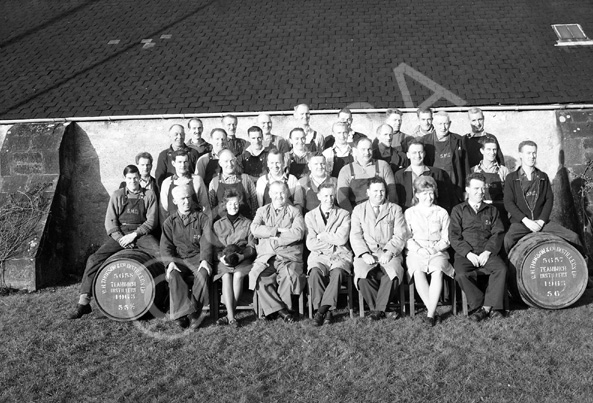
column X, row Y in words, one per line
column 467, row 277
column 497, row 276
column 95, row 261
column 267, row 293
column 386, row 290
column 330, row 295
column 564, row 233
column 180, row 303
column 149, row 244
column 514, row 234
column 368, row 287
column 317, row 284
column 200, row 290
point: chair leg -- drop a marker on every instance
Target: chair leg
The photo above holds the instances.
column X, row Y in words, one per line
column 302, row 303
column 402, row 300
column 454, row 296
column 350, row 298
column 464, row 303
column 310, row 301
column 360, row 304
column 214, row 304
column 412, row 296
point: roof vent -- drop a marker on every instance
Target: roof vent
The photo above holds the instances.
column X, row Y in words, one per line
column 571, row 35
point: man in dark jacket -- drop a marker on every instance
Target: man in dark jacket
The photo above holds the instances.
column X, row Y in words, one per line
column 476, row 234
column 164, row 166
column 528, row 198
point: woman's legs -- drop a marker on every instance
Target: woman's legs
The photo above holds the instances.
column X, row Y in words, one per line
column 436, row 286
column 228, row 296
column 238, row 287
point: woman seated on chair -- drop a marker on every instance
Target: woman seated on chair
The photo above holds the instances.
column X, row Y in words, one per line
column 427, row 247
column 235, row 250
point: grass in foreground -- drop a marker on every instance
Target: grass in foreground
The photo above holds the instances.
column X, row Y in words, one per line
column 532, row 356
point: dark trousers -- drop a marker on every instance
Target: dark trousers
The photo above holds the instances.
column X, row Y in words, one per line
column 519, row 230
column 146, row 243
column 325, row 286
column 467, row 278
column 183, row 299
column 377, row 289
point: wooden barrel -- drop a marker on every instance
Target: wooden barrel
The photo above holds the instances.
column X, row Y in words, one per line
column 130, row 284
column 550, row 273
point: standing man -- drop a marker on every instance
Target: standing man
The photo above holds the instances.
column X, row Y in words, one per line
column 378, row 236
column 354, row 178
column 312, row 182
column 313, row 140
column 328, row 229
column 253, row 160
column 425, row 126
column 384, row 150
column 196, row 127
column 298, row 158
column 271, row 140
column 277, row 271
column 529, row 199
column 130, row 220
column 476, row 234
column 144, row 164
column 277, row 173
column 235, row 144
column 186, row 251
column 344, row 116
column 340, row 154
column 393, row 117
column 447, row 151
column 207, row 165
column 495, row 175
column 476, row 121
column 404, row 179
column 164, row 168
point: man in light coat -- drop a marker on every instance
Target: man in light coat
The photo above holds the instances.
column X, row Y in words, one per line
column 378, row 236
column 328, row 227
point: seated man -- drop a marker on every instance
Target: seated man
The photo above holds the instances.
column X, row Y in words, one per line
column 344, row 116
column 378, row 236
column 404, row 178
column 495, row 175
column 186, row 250
column 476, row 235
column 310, row 183
column 298, row 157
column 196, row 127
column 131, row 217
column 164, row 168
column 280, row 229
column 276, row 173
column 144, row 164
column 529, row 199
column 328, row 229
column 271, row 141
column 313, row 140
column 253, row 160
column 353, row 178
column 473, row 138
column 207, row 166
column 183, row 176
column 340, row 153
column 394, row 156
column 231, row 178
column 235, row 144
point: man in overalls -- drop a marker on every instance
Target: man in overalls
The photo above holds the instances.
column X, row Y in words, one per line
column 277, row 173
column 314, row 141
column 207, row 165
column 384, row 151
column 473, row 138
column 186, row 251
column 340, row 154
column 235, row 144
column 271, row 141
column 353, row 178
column 311, row 183
column 196, row 141
column 164, row 168
column 298, row 157
column 131, row 217
column 231, row 178
column 253, row 160
column 344, row 116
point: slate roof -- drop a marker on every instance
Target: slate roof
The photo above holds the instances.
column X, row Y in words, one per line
column 233, row 55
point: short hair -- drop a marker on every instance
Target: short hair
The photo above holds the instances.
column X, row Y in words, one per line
column 339, row 124
column 310, row 156
column 443, row 114
column 395, row 111
column 375, row 180
column 416, row 142
column 145, row 155
column 297, row 107
column 423, row 183
column 179, row 153
column 177, row 125
column 362, row 138
column 228, row 116
column 181, row 188
column 283, row 184
column 218, row 129
column 230, row 194
column 487, row 140
column 274, row 151
column 224, row 149
column 194, row 120
column 327, row 185
column 475, row 175
column 131, row 169
column 383, row 125
column 345, row 110
column 296, row 129
column 473, row 111
column 527, row 143
column 423, row 110
column 253, row 129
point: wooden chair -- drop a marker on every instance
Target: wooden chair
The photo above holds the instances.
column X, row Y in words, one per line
column 452, row 297
column 344, row 289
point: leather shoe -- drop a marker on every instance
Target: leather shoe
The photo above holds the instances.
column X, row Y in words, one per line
column 287, row 316
column 377, row 315
column 496, row 314
column 478, row 315
column 429, row 321
column 194, row 321
column 329, row 318
column 182, row 322
column 318, row 319
column 80, row 311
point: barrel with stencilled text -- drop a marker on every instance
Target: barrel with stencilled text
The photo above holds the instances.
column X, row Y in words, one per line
column 550, row 273
column 129, row 285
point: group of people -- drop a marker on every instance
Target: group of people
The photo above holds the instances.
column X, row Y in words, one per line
column 397, row 208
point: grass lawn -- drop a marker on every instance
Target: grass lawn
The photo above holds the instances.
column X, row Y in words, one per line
column 532, row 356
